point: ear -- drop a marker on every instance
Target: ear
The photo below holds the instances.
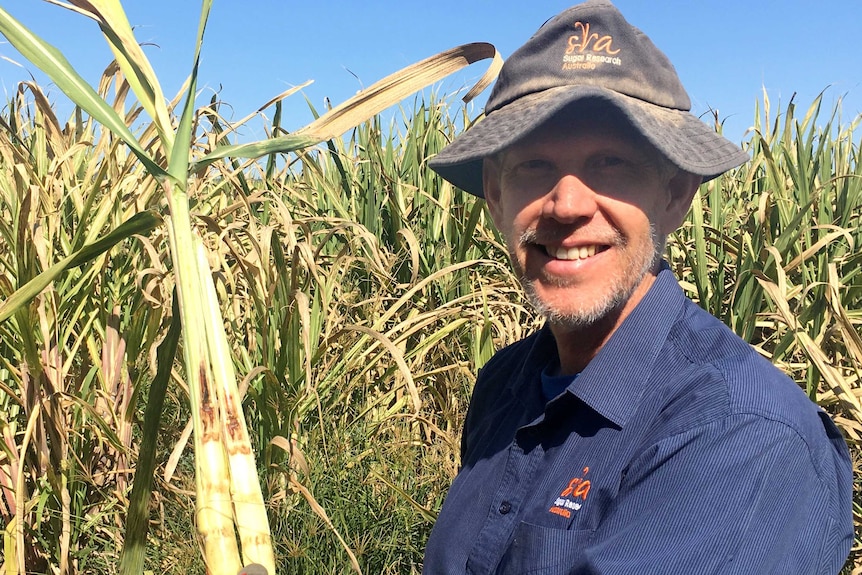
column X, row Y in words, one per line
column 491, row 188
column 681, row 190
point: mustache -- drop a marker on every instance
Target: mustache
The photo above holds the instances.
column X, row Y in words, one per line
column 555, row 234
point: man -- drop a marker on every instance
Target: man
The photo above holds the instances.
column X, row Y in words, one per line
column 634, row 433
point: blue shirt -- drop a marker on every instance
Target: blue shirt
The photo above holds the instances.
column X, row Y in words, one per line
column 677, row 450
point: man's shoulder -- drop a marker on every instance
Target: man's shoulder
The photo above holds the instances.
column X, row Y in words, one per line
column 722, row 387
column 516, row 352
column 493, row 380
column 739, row 378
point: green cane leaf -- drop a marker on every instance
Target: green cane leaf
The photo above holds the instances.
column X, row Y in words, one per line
column 141, row 223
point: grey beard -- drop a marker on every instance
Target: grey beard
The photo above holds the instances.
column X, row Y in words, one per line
column 590, row 313
column 585, row 317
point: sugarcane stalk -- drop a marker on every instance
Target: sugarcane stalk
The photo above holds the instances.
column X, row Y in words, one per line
column 251, row 519
column 213, row 510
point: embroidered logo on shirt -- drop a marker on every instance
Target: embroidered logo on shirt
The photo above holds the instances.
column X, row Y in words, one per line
column 573, row 496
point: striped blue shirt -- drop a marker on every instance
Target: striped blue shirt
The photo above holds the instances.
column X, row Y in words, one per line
column 677, row 450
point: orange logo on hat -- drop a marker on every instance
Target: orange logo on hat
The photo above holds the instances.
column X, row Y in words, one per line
column 587, row 41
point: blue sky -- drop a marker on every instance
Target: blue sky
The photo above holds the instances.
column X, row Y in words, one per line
column 726, row 51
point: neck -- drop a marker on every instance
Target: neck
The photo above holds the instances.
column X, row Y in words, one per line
column 576, row 347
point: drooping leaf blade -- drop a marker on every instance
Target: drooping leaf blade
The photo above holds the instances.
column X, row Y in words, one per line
column 48, row 59
column 133, row 62
column 365, row 104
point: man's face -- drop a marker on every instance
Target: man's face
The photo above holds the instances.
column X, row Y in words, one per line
column 585, row 207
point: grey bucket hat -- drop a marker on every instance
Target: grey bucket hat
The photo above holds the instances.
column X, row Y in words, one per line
column 588, row 53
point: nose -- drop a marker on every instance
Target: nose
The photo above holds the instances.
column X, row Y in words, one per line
column 570, row 200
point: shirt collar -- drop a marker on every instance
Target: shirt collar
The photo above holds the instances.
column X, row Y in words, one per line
column 614, row 381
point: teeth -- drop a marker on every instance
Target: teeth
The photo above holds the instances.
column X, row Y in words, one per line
column 576, row 253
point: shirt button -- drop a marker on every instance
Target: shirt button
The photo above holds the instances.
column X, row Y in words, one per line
column 505, row 507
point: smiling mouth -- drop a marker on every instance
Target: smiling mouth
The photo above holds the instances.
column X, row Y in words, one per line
column 574, row 253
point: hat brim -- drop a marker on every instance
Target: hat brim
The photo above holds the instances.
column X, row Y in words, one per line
column 687, row 142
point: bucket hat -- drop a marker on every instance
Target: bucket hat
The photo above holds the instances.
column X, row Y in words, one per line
column 589, row 52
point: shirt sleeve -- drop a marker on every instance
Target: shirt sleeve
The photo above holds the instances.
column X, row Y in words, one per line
column 740, row 495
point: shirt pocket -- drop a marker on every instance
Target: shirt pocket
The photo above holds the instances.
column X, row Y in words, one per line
column 539, row 550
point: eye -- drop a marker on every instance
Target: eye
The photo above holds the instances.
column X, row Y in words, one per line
column 608, row 161
column 534, row 165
